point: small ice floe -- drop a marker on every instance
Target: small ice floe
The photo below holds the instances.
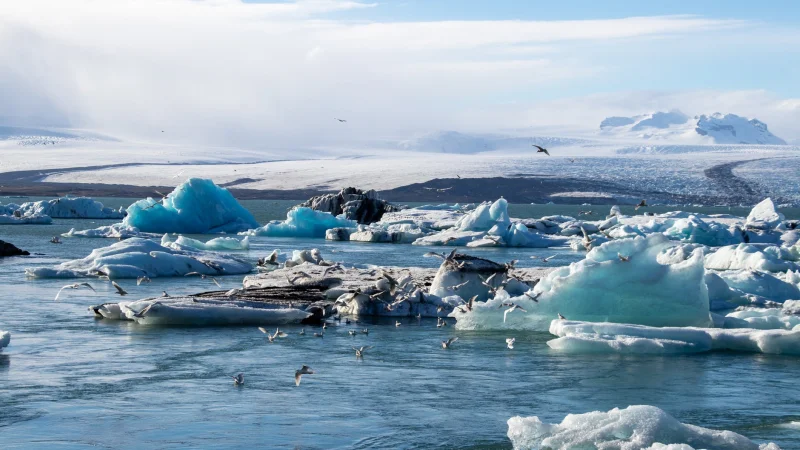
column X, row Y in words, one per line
column 115, row 231
column 769, row 258
column 216, row 244
column 604, row 337
column 18, row 219
column 71, row 208
column 136, row 257
column 639, row 427
column 5, row 339
column 302, row 222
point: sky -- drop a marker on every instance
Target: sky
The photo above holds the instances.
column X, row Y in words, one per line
column 262, row 74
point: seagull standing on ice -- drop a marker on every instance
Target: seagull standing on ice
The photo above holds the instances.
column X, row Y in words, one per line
column 446, row 344
column 74, row 286
column 541, row 150
column 510, row 343
column 560, row 317
column 298, row 374
column 238, row 380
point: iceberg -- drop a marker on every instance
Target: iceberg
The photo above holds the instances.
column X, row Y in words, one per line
column 761, row 284
column 71, row 208
column 116, row 231
column 302, row 221
column 197, row 206
column 12, row 219
column 604, row 287
column 764, row 216
column 136, row 257
column 216, row 244
column 751, row 257
column 694, row 229
column 5, row 339
column 638, row 427
column 605, row 337
column 762, row 319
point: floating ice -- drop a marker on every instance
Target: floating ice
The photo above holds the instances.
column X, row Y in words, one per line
column 744, row 256
column 8, row 210
column 302, row 222
column 639, row 427
column 762, row 319
column 11, row 219
column 694, row 229
column 216, row 244
column 764, row 215
column 137, row 257
column 603, row 287
column 5, row 339
column 197, row 206
column 116, row 231
column 761, row 284
column 71, row 208
column 605, row 337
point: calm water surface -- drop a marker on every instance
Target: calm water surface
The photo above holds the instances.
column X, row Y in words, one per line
column 71, row 381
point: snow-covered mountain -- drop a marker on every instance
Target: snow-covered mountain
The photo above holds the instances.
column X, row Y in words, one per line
column 679, row 128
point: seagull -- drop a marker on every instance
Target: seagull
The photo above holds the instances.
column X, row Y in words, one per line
column 513, row 308
column 397, row 323
column 271, row 337
column 340, row 120
column 178, row 174
column 446, row 344
column 321, row 334
column 302, row 332
column 560, row 317
column 572, row 160
column 305, row 370
column 440, row 322
column 623, row 258
column 392, row 282
column 534, row 297
column 365, row 331
column 164, row 294
column 120, row 291
column 352, row 332
column 55, row 240
column 510, row 343
column 541, row 150
column 360, row 351
column 641, row 204
column 271, row 260
column 238, row 380
column 74, row 286
column 142, row 279
column 546, row 260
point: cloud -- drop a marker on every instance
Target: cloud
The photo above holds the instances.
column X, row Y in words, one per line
column 276, row 74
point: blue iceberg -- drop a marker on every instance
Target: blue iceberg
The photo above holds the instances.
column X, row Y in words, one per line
column 303, row 222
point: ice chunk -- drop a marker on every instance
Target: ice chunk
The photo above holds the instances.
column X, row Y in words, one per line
column 762, row 284
column 633, row 428
column 603, row 287
column 764, row 215
column 216, row 244
column 605, row 337
column 8, row 210
column 693, row 229
column 11, row 219
column 116, row 231
column 762, row 319
column 71, row 208
column 744, row 256
column 137, row 257
column 303, row 222
column 5, row 339
column 485, row 216
column 195, row 207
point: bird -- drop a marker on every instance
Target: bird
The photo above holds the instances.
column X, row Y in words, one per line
column 55, row 240
column 271, row 337
column 302, row 332
column 446, row 344
column 271, row 260
column 178, row 174
column 440, row 322
column 546, row 260
column 238, row 380
column 533, row 297
column 365, row 331
column 352, row 332
column 142, row 279
column 360, row 351
column 74, row 286
column 298, row 374
column 641, row 204
column 340, row 120
column 623, row 258
column 510, row 343
column 321, row 334
column 203, row 277
column 120, row 291
column 513, row 308
column 397, row 323
column 164, row 294
column 541, row 150
column 572, row 160
column 560, row 317
column 392, row 282
column 324, row 325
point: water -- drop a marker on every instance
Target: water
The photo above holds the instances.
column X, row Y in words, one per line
column 70, row 380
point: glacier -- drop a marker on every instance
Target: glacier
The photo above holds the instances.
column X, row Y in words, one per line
column 136, row 257
column 197, row 206
column 302, row 222
column 637, row 427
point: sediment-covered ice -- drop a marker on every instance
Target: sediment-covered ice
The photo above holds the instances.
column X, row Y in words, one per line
column 200, row 312
column 606, row 337
column 303, row 222
column 71, row 208
column 196, row 206
column 5, row 339
column 744, row 256
column 639, row 427
column 138, row 257
column 216, row 244
column 604, row 287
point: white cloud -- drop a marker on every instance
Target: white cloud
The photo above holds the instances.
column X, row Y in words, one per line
column 265, row 75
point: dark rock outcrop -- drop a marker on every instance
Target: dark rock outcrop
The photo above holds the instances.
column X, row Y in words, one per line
column 355, row 204
column 8, row 249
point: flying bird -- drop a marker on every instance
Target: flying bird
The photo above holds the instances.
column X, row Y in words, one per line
column 360, row 351
column 238, row 380
column 534, row 297
column 641, row 204
column 341, row 120
column 446, row 344
column 513, row 308
column 560, row 317
column 541, row 150
column 74, row 286
column 623, row 258
column 142, row 279
column 298, row 374
column 510, row 343
column 120, row 291
column 271, row 337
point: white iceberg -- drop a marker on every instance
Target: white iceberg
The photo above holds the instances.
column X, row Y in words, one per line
column 751, row 257
column 605, row 337
column 303, row 222
column 694, row 229
column 764, row 215
column 197, row 206
column 761, row 284
column 604, row 287
column 639, row 427
column 71, row 208
column 138, row 257
column 5, row 339
column 762, row 319
column 115, row 231
column 216, row 244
